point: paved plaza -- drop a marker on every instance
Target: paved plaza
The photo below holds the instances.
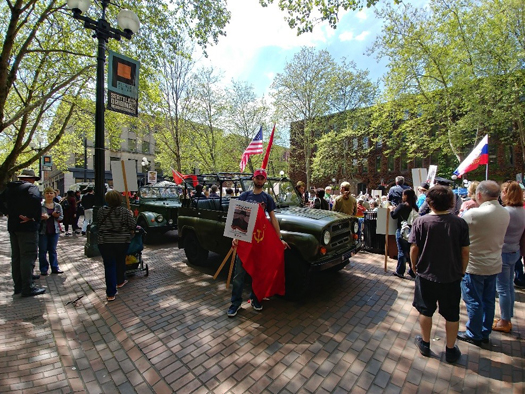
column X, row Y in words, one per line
column 169, row 332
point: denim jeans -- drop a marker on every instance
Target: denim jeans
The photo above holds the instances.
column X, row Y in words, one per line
column 519, row 276
column 114, row 257
column 479, row 294
column 24, row 247
column 403, row 254
column 47, row 244
column 505, row 285
column 239, row 275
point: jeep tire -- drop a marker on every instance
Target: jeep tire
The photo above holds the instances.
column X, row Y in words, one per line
column 195, row 253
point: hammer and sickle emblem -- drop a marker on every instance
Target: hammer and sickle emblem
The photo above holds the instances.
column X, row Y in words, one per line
column 258, row 235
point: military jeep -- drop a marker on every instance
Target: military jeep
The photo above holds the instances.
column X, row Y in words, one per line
column 156, row 209
column 320, row 240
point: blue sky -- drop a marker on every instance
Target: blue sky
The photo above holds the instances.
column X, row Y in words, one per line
column 259, row 43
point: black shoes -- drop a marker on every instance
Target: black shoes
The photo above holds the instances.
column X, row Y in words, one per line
column 452, row 355
column 412, row 274
column 43, row 273
column 424, row 347
column 398, row 275
column 58, row 271
column 463, row 336
column 35, row 277
column 34, row 292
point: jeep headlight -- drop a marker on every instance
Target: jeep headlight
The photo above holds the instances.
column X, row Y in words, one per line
column 159, row 218
column 326, row 237
column 356, row 227
column 170, row 222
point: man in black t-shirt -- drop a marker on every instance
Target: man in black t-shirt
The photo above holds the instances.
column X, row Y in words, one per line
column 439, row 254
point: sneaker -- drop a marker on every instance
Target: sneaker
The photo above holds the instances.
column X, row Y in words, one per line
column 77, row 232
column 68, row 234
column 232, row 312
column 424, row 347
column 83, row 233
column 452, row 355
column 111, row 298
column 255, row 305
column 463, row 336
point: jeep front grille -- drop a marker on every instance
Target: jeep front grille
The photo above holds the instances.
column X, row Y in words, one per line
column 341, row 234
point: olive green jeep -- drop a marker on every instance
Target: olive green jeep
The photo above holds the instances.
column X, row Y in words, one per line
column 319, row 240
column 156, row 209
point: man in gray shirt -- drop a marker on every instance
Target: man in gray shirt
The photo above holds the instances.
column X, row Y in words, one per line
column 487, row 226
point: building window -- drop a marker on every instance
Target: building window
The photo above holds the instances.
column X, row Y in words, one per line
column 404, row 165
column 365, row 142
column 510, row 156
column 390, row 163
column 418, row 162
column 364, row 165
column 79, row 160
column 132, row 145
column 145, row 147
column 378, row 163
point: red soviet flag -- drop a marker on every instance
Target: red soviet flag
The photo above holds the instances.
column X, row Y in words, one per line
column 263, row 259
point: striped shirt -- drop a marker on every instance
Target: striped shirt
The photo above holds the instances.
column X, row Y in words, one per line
column 115, row 225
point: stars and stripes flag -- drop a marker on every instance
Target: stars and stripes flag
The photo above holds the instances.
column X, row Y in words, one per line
column 254, row 148
column 480, row 155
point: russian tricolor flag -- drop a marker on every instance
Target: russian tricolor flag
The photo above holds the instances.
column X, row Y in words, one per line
column 480, row 155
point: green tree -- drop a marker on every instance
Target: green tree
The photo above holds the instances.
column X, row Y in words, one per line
column 245, row 114
column 48, row 59
column 455, row 67
column 312, row 86
column 305, row 14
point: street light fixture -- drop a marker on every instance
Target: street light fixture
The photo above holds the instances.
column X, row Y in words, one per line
column 130, row 24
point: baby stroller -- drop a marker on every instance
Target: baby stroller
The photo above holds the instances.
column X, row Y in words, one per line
column 134, row 261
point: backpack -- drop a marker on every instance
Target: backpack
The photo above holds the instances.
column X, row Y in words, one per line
column 406, row 225
column 65, row 204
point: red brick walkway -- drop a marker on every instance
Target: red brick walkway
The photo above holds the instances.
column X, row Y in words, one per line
column 169, row 333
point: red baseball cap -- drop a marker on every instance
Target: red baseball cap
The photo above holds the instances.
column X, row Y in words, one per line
column 260, row 172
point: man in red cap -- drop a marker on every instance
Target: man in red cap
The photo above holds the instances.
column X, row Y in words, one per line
column 257, row 195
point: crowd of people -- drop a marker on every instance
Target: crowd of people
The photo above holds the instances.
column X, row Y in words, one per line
column 35, row 224
column 455, row 249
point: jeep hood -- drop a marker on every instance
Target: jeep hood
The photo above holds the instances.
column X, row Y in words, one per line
column 297, row 216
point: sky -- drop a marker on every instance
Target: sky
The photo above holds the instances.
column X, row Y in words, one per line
column 258, row 43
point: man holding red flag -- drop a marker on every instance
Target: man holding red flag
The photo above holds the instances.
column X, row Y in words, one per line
column 267, row 280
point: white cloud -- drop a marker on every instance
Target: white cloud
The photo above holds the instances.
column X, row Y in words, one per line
column 362, row 36
column 361, row 15
column 346, row 36
column 253, row 28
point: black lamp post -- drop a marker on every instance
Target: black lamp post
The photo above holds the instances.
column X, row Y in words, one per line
column 129, row 23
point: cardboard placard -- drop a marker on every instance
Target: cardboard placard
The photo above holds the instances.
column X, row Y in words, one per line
column 241, row 220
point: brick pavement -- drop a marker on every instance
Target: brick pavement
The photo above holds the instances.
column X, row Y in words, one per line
column 169, row 333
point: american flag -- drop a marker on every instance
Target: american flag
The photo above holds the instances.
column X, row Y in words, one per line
column 255, row 148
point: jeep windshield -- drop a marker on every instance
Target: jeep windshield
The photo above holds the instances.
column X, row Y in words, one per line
column 159, row 192
column 281, row 190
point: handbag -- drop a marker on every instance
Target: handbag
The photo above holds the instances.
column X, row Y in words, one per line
column 406, row 225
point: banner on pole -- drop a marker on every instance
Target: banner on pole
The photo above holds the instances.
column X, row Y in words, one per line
column 123, row 84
